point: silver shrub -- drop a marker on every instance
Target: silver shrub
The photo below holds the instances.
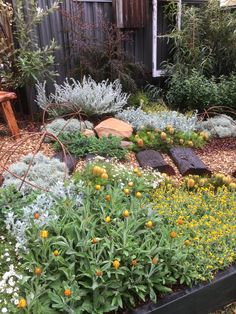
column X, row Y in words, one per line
column 88, row 96
column 61, row 125
column 44, row 172
column 219, row 126
column 140, row 119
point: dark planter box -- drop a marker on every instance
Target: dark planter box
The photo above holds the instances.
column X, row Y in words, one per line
column 201, row 299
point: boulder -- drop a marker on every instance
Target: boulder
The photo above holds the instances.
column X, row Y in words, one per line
column 114, row 127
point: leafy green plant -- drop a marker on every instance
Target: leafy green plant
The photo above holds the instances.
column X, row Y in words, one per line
column 164, row 140
column 194, row 90
column 80, row 145
column 102, row 255
column 27, row 63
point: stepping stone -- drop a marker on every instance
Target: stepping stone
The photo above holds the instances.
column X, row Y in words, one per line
column 188, row 162
column 153, row 159
column 70, row 160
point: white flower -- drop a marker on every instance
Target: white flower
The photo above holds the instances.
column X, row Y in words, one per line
column 4, row 310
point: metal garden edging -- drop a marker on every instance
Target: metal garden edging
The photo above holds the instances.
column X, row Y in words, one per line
column 201, row 299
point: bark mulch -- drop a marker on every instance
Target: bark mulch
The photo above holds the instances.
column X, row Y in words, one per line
column 219, row 154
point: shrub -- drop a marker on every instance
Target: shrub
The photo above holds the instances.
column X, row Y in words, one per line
column 169, row 137
column 219, row 126
column 44, row 172
column 61, row 125
column 88, row 96
column 80, row 145
column 140, row 119
column 195, row 91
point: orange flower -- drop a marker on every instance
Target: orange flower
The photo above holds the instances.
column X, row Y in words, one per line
column 36, row 215
column 173, row 234
column 126, row 213
column 134, row 262
column 154, row 260
column 116, row 264
column 180, row 221
column 99, row 273
column 22, row 303
column 149, row 224
column 108, row 198
column 130, row 184
column 107, row 219
column 55, row 252
column 44, row 234
column 37, row 271
column 67, row 293
column 94, row 241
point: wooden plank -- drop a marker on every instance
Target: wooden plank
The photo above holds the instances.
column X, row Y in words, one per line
column 153, row 159
column 188, row 162
column 10, row 117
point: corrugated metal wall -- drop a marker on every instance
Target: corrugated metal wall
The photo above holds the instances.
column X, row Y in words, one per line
column 89, row 13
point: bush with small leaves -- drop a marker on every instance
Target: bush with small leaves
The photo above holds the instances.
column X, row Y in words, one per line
column 88, row 96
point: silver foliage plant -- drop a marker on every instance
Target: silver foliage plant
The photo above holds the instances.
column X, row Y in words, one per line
column 140, row 119
column 44, row 204
column 61, row 125
column 88, row 96
column 44, row 172
column 219, row 126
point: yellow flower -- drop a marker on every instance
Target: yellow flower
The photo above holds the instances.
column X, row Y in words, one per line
column 107, row 219
column 55, row 252
column 22, row 303
column 44, row 234
column 138, row 194
column 149, row 224
column 126, row 191
column 126, row 213
column 116, row 264
column 98, row 187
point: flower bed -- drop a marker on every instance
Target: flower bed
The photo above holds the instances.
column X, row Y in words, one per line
column 105, row 241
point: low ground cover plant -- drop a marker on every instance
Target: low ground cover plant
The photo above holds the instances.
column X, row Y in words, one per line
column 80, row 145
column 169, row 137
column 43, row 173
column 205, row 219
column 160, row 120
